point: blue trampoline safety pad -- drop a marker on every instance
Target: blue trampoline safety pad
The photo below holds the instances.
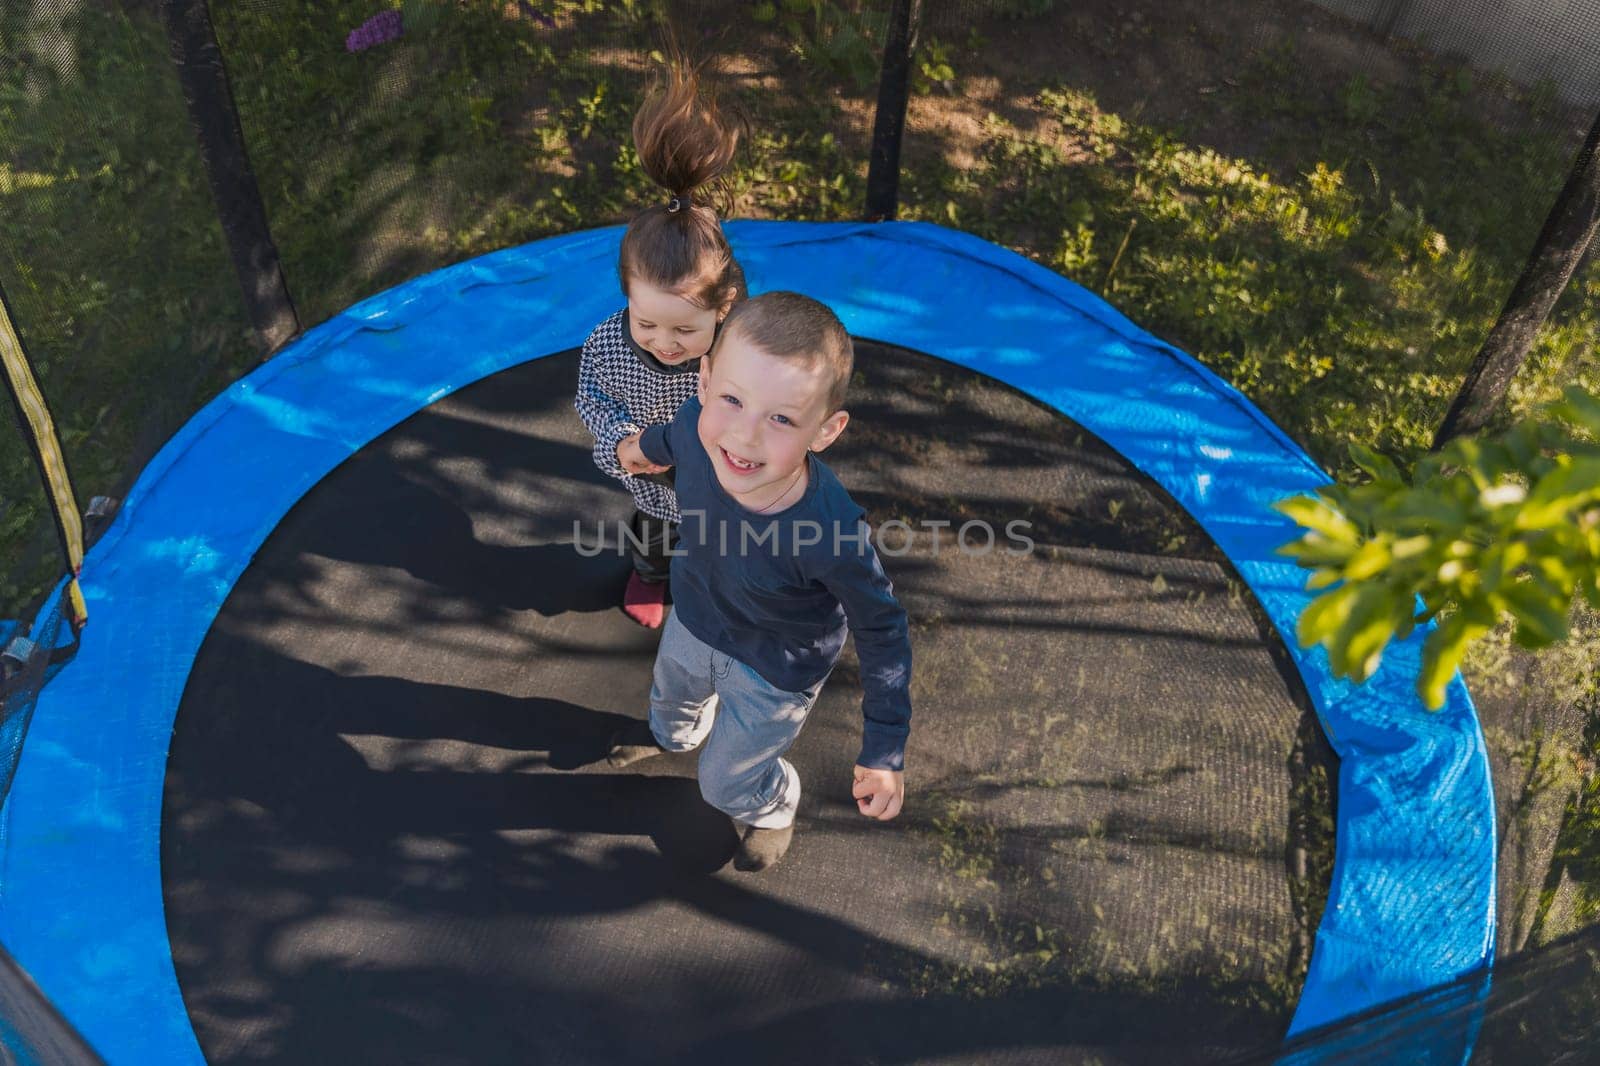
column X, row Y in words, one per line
column 1412, row 903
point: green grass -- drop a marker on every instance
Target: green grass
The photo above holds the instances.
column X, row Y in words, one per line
column 112, row 261
column 1348, row 312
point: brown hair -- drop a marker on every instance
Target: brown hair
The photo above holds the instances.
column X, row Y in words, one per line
column 787, row 325
column 685, row 142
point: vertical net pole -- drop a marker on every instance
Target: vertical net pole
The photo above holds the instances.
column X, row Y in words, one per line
column 1567, row 234
column 883, row 169
column 233, row 182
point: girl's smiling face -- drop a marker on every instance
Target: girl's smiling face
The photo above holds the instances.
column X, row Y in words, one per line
column 760, row 417
column 668, row 326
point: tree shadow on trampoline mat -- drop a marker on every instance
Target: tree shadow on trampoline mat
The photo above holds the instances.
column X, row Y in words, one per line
column 382, row 895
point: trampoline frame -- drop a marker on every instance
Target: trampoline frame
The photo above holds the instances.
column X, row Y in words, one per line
column 1412, row 904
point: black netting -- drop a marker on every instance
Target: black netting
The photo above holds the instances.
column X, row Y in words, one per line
column 386, row 148
column 1329, row 217
column 1326, row 203
column 1549, row 48
column 111, row 257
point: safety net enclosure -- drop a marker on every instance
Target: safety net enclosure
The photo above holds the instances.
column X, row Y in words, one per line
column 1008, row 799
column 321, row 779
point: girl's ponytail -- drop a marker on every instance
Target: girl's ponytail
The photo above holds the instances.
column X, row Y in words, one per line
column 685, row 143
column 684, row 140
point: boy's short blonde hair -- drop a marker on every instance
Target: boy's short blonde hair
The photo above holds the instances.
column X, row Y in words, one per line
column 787, row 325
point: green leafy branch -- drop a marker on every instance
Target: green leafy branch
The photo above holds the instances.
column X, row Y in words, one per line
column 1487, row 528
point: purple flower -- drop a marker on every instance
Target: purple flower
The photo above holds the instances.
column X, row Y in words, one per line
column 381, row 28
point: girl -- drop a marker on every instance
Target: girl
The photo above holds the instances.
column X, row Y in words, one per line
column 680, row 279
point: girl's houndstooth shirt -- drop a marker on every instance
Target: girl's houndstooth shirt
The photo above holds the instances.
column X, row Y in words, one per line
column 622, row 389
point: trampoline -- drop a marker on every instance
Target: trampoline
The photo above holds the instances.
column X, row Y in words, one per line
column 354, row 660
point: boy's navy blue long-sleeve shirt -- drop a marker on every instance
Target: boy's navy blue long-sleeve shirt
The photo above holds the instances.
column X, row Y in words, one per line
column 779, row 592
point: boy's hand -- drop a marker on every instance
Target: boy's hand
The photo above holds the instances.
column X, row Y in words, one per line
column 632, row 458
column 879, row 793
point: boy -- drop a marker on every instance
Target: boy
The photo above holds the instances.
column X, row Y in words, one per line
column 776, row 564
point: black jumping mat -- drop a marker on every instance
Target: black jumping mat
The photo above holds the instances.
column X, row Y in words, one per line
column 389, row 835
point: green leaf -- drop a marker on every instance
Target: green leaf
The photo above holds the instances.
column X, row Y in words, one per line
column 1480, row 612
column 1379, row 467
column 1441, row 657
column 1541, row 616
column 1428, row 507
column 1315, row 550
column 1522, row 443
column 1563, row 490
column 1500, row 561
column 1411, row 547
column 1357, row 648
column 1322, row 577
column 1316, row 514
column 1324, row 615
column 1369, row 560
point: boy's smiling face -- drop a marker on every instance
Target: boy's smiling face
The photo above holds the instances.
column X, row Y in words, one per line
column 761, row 415
column 668, row 326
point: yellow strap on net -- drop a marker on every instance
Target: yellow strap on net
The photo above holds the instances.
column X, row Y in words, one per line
column 40, row 428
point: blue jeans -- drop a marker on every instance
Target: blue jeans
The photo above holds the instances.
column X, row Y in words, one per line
column 700, row 695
